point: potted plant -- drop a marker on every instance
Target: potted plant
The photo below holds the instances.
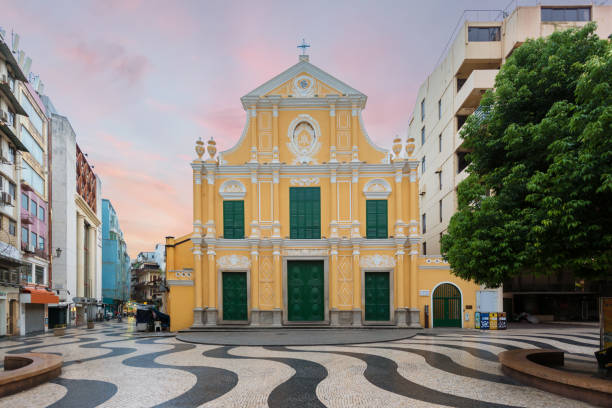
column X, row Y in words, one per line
column 90, row 324
column 59, row 330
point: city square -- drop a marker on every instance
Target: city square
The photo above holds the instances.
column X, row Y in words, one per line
column 115, row 366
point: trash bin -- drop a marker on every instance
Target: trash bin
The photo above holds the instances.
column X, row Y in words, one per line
column 502, row 322
column 492, row 321
column 484, row 321
column 477, row 320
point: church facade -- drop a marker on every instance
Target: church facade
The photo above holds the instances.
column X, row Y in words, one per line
column 305, row 221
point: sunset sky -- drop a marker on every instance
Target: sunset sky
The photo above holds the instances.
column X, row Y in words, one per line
column 141, row 80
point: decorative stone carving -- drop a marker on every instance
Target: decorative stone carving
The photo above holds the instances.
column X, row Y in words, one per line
column 199, row 148
column 232, row 190
column 233, row 262
column 212, row 148
column 377, row 261
column 304, row 86
column 410, row 146
column 306, row 252
column 304, row 181
column 183, row 274
column 345, row 281
column 304, row 134
column 377, row 189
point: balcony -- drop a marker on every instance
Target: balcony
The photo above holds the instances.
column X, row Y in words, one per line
column 468, row 97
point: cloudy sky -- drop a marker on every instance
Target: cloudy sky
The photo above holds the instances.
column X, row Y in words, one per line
column 141, row 80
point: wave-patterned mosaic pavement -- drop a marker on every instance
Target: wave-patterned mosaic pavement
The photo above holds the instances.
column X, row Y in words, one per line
column 111, row 367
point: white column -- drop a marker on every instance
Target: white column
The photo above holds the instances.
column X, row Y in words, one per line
column 80, row 233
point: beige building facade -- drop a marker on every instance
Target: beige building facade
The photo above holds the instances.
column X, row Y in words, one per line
column 453, row 91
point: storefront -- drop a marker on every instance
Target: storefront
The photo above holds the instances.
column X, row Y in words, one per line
column 34, row 309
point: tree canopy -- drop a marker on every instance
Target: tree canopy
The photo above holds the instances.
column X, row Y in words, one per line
column 538, row 197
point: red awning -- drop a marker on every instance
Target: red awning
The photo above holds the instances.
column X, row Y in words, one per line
column 41, row 295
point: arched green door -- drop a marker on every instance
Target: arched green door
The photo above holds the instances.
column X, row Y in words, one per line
column 447, row 306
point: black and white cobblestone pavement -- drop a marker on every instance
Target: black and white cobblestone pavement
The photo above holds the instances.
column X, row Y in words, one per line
column 111, row 366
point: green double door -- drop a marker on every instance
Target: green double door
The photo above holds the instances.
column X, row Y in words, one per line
column 446, row 306
column 377, row 297
column 305, row 291
column 235, row 301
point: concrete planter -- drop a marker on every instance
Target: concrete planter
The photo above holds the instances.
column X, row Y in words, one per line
column 90, row 325
column 59, row 331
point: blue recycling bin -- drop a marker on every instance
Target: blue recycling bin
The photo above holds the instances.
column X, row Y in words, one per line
column 484, row 321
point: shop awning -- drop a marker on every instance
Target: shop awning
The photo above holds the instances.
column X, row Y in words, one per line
column 40, row 295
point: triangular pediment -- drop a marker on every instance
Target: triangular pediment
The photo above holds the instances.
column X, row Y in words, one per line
column 303, row 80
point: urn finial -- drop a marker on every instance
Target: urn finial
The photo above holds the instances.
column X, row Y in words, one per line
column 410, row 146
column 397, row 146
column 199, row 148
column 212, row 148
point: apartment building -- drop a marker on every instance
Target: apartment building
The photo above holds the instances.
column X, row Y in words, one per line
column 468, row 67
column 24, row 201
column 147, row 278
column 115, row 261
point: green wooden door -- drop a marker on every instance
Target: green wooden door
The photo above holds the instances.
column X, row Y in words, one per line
column 446, row 306
column 235, row 296
column 305, row 212
column 377, row 300
column 305, row 291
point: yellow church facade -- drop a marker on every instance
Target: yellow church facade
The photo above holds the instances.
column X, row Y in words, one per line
column 305, row 221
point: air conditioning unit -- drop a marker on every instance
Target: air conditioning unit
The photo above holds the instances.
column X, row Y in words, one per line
column 423, row 190
column 6, row 198
column 4, row 79
column 31, row 248
column 4, row 116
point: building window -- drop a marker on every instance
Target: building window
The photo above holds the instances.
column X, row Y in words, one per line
column 440, row 209
column 11, row 154
column 440, row 108
column 33, row 147
column 32, row 113
column 479, row 34
column 41, row 213
column 12, row 190
column 423, row 165
column 33, row 238
column 12, row 227
column 566, row 14
column 305, row 212
column 376, row 219
column 33, row 178
column 41, row 243
column 422, row 135
column 424, row 223
column 461, row 161
column 460, row 82
column 425, row 248
column 34, row 208
column 423, row 110
column 25, row 201
column 25, row 235
column 40, row 274
column 461, row 121
column 233, row 219
column 440, row 143
column 440, row 179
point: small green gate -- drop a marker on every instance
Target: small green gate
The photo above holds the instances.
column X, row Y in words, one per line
column 235, row 296
column 377, row 303
column 447, row 306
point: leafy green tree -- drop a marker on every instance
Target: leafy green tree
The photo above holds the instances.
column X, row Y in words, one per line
column 538, row 197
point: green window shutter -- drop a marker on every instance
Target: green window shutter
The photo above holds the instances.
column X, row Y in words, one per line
column 305, row 212
column 376, row 219
column 233, row 219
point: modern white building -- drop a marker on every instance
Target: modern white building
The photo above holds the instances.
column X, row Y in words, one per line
column 478, row 48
